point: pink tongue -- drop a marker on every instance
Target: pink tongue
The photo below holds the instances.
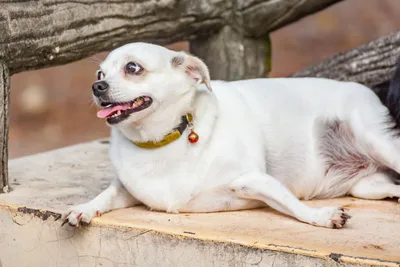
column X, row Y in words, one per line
column 105, row 112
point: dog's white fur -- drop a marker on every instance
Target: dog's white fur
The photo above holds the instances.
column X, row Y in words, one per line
column 262, row 142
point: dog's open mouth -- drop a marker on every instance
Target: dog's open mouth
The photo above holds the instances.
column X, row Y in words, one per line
column 117, row 112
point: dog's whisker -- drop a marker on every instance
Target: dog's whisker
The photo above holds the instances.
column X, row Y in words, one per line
column 91, row 103
column 95, row 59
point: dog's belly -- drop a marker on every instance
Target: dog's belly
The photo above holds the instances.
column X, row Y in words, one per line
column 179, row 195
column 214, row 201
column 159, row 193
column 161, row 196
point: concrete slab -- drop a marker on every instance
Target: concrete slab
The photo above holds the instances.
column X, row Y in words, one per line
column 46, row 184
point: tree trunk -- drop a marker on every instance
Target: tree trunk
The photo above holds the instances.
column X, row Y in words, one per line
column 232, row 56
column 371, row 64
column 38, row 34
column 262, row 17
column 4, row 100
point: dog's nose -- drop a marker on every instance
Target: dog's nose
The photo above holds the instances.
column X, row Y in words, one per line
column 99, row 88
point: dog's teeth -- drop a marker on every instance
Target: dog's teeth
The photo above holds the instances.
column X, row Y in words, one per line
column 118, row 112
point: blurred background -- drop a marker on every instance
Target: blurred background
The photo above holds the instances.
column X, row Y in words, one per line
column 51, row 108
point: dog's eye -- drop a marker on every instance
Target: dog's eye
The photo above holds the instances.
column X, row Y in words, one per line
column 133, row 68
column 100, row 75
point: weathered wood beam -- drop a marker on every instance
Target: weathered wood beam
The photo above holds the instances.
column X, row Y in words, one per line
column 371, row 64
column 241, row 50
column 232, row 56
column 44, row 33
column 261, row 17
column 4, row 101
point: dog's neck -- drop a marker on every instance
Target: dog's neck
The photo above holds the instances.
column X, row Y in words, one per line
column 157, row 125
column 154, row 127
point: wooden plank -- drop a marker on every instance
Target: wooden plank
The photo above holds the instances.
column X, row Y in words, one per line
column 261, row 17
column 37, row 34
column 370, row 238
column 4, row 101
column 371, row 64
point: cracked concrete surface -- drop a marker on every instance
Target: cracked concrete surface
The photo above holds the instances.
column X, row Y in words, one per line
column 46, row 184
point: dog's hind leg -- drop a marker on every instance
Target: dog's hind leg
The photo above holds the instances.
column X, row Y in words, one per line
column 260, row 186
column 375, row 186
column 380, row 144
column 384, row 150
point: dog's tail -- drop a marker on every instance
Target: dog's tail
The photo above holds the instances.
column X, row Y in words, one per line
column 393, row 104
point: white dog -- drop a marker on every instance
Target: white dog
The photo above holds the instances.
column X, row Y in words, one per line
column 181, row 143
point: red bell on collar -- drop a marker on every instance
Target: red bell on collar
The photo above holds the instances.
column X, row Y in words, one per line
column 193, row 137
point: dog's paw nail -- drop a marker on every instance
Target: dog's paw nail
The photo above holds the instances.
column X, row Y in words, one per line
column 341, row 221
column 345, row 216
column 331, row 217
column 64, row 222
column 59, row 216
column 73, row 225
column 80, row 215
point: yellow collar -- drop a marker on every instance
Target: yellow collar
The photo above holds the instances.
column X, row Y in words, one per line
column 177, row 132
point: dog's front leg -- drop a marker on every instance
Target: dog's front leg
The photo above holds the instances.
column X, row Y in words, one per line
column 272, row 192
column 114, row 197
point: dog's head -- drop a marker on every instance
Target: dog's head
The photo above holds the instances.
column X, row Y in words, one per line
column 139, row 79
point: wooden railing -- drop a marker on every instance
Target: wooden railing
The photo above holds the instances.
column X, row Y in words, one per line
column 231, row 36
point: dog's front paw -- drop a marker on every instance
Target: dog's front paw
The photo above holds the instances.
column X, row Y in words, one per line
column 330, row 217
column 80, row 214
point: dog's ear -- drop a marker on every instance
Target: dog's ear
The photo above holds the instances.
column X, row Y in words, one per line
column 193, row 67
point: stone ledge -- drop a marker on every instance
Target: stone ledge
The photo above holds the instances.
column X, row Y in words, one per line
column 46, row 184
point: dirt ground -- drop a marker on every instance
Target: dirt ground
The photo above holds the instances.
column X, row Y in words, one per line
column 52, row 107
